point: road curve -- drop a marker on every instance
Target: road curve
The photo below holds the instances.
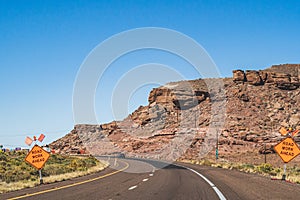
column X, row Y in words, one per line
column 139, row 179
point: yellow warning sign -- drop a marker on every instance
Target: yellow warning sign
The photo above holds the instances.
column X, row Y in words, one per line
column 287, row 149
column 37, row 157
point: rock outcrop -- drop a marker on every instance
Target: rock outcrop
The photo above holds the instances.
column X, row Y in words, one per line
column 285, row 77
column 257, row 105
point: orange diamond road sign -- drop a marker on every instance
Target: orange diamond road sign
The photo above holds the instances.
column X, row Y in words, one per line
column 37, row 157
column 287, row 149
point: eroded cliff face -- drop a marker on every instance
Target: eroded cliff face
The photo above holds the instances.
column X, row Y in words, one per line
column 255, row 105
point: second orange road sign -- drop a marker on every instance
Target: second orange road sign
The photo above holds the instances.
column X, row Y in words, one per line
column 287, row 149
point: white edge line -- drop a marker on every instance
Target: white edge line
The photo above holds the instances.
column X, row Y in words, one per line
column 153, row 170
column 218, row 192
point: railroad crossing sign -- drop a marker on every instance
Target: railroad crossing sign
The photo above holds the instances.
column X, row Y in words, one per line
column 283, row 131
column 289, row 132
column 37, row 157
column 287, row 149
column 295, row 133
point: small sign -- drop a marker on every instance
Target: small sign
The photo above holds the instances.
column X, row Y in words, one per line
column 28, row 141
column 283, row 131
column 41, row 137
column 287, row 149
column 295, row 133
column 37, row 157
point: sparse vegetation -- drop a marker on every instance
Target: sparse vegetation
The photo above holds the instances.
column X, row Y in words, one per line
column 16, row 174
column 265, row 169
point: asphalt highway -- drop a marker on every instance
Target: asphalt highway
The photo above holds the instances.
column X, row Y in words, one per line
column 144, row 179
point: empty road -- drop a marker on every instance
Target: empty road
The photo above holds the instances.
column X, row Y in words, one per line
column 139, row 179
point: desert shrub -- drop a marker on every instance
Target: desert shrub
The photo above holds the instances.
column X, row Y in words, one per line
column 14, row 168
column 15, row 175
column 91, row 161
column 206, row 162
column 265, row 168
column 49, row 170
column 3, row 157
column 247, row 166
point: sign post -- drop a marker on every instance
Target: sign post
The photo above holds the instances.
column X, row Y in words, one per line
column 217, row 146
column 284, row 172
column 41, row 178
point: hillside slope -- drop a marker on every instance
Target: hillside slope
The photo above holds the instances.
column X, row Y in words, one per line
column 178, row 122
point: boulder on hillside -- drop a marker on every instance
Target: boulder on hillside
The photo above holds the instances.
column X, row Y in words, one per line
column 263, row 75
column 239, row 76
column 253, row 77
column 278, row 78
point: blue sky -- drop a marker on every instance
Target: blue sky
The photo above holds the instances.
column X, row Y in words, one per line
column 43, row 44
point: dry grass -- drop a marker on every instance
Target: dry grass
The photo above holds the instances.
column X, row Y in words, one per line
column 13, row 186
column 62, row 177
column 265, row 169
column 8, row 187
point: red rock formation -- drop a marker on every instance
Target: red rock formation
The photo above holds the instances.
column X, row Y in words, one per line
column 258, row 103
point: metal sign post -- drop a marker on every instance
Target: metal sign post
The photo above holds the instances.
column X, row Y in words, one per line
column 41, row 178
column 284, row 172
column 217, row 146
column 265, row 148
column 217, row 154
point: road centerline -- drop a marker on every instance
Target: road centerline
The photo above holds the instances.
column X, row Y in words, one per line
column 71, row 185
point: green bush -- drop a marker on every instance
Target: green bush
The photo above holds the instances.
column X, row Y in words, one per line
column 265, row 168
column 247, row 166
column 3, row 157
column 206, row 162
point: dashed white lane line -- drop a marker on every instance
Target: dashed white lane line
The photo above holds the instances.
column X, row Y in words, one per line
column 146, row 179
column 150, row 174
column 133, row 187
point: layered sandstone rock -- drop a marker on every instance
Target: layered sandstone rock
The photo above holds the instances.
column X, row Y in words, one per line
column 282, row 76
column 239, row 76
column 253, row 77
column 257, row 105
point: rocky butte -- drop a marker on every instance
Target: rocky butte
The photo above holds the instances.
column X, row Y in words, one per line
column 178, row 121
